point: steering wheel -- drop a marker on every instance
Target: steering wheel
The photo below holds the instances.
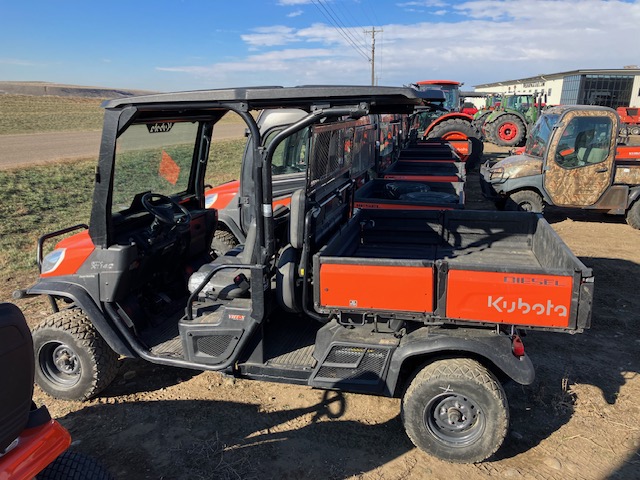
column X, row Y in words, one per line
column 165, row 209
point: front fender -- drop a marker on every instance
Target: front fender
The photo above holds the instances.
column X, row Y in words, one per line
column 83, row 300
column 491, row 349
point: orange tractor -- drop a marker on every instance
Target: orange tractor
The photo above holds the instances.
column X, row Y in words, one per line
column 447, row 121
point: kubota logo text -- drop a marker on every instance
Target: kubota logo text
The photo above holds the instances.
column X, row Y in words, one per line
column 524, row 308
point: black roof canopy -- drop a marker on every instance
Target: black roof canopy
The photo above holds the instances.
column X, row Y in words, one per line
column 307, row 97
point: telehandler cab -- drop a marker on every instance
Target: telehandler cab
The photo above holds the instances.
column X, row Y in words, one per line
column 421, row 305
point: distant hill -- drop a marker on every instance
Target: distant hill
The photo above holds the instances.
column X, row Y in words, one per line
column 60, row 90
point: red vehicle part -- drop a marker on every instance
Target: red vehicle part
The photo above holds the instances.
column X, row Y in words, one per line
column 36, row 448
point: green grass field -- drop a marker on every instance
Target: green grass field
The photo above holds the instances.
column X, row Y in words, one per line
column 41, row 199
column 37, row 114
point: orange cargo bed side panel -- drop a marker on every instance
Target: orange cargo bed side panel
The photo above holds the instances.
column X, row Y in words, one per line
column 377, row 287
column 511, row 298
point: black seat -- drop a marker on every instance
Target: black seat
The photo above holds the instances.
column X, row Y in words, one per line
column 16, row 376
column 289, row 256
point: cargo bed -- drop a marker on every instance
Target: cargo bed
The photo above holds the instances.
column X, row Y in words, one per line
column 426, row 171
column 454, row 267
column 405, row 195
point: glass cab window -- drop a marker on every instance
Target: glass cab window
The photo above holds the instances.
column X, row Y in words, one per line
column 539, row 138
column 291, row 156
column 153, row 157
column 585, row 141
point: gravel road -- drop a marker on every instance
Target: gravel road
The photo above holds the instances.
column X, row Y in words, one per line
column 31, row 149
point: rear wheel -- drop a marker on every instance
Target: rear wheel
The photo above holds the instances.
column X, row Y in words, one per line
column 525, row 200
column 509, row 131
column 74, row 466
column 223, row 241
column 633, row 215
column 73, row 362
column 458, row 129
column 456, row 410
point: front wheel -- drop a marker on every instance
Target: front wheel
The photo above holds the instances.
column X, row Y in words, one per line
column 73, row 362
column 525, row 200
column 456, row 410
column 633, row 215
column 509, row 131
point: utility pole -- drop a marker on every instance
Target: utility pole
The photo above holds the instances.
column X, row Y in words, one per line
column 373, row 32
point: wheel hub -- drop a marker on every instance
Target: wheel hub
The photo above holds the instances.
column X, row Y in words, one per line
column 508, row 131
column 454, row 419
column 66, row 360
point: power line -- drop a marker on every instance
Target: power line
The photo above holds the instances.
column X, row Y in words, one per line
column 353, row 21
column 320, row 6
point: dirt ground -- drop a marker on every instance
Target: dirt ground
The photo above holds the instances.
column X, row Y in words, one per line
column 579, row 420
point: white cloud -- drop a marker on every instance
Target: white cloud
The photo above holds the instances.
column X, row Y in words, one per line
column 296, row 13
column 494, row 40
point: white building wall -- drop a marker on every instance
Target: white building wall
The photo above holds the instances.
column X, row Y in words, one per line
column 635, row 93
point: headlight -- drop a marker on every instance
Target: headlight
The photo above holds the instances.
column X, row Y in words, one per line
column 210, row 199
column 52, row 261
column 496, row 173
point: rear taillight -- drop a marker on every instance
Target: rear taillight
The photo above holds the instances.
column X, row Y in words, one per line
column 517, row 347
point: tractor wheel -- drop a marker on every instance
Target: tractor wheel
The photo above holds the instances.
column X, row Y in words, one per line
column 456, row 410
column 223, row 241
column 525, row 200
column 509, row 131
column 489, row 132
column 633, row 215
column 478, row 122
column 74, row 466
column 73, row 362
column 635, row 130
column 458, row 129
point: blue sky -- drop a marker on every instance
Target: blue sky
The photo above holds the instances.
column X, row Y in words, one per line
column 168, row 45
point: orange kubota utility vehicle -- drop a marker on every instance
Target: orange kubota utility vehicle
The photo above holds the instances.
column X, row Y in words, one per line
column 421, row 305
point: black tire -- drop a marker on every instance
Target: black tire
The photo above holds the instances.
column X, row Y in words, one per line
column 525, row 201
column 223, row 241
column 74, row 466
column 633, row 215
column 509, row 131
column 478, row 122
column 73, row 362
column 457, row 125
column 489, row 132
column 435, row 406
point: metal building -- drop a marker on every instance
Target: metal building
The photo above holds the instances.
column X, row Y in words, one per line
column 612, row 88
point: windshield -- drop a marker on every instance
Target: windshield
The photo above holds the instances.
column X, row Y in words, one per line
column 452, row 100
column 154, row 157
column 539, row 137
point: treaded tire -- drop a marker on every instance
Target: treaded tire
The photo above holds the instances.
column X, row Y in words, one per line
column 74, row 466
column 456, row 410
column 515, row 138
column 73, row 362
column 633, row 215
column 466, row 128
column 525, row 201
column 223, row 241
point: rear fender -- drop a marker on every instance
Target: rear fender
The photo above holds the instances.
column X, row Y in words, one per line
column 81, row 298
column 493, row 350
column 448, row 116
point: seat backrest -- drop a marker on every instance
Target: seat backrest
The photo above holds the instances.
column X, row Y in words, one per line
column 246, row 256
column 16, row 375
column 297, row 218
